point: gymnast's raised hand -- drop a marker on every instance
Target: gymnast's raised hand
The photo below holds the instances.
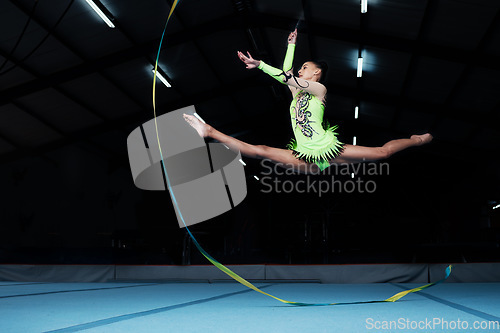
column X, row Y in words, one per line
column 309, row 74
column 249, row 61
column 292, row 38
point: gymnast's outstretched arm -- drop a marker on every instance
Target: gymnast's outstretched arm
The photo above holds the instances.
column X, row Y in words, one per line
column 287, row 78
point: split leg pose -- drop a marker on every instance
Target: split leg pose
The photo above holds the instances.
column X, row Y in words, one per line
column 315, row 146
column 285, row 157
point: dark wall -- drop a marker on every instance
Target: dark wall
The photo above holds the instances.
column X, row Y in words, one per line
column 75, row 206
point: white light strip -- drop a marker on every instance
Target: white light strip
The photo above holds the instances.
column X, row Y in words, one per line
column 352, row 175
column 225, row 146
column 360, row 66
column 100, row 13
column 198, row 116
column 364, row 6
column 256, row 177
column 354, row 141
column 497, row 206
column 242, row 162
column 162, row 79
column 356, row 111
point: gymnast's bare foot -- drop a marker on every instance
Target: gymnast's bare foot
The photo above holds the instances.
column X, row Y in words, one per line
column 424, row 138
column 200, row 127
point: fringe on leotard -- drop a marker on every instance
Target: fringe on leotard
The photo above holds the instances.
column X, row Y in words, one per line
column 331, row 151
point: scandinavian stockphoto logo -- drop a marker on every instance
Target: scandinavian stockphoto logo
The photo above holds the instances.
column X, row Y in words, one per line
column 271, row 181
column 205, row 180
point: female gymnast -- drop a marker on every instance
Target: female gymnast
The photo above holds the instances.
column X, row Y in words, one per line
column 315, row 146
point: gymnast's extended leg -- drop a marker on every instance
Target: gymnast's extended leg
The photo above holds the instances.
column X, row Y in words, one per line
column 358, row 154
column 282, row 157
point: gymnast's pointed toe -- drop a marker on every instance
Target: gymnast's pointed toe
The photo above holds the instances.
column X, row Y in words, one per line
column 200, row 127
column 423, row 138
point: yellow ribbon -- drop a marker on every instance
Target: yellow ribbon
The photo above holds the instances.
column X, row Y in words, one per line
column 218, row 264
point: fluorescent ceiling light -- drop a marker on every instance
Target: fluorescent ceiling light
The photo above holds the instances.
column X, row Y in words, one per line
column 356, row 110
column 497, row 206
column 352, row 175
column 364, row 6
column 100, row 13
column 241, row 161
column 256, row 177
column 360, row 66
column 354, row 141
column 162, row 78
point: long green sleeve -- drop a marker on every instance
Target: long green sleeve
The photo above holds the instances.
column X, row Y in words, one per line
column 275, row 73
column 288, row 62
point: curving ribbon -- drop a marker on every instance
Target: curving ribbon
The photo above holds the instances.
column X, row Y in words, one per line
column 218, row 264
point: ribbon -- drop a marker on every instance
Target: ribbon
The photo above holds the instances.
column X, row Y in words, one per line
column 218, row 264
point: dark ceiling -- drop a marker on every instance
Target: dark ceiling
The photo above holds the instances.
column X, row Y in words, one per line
column 429, row 65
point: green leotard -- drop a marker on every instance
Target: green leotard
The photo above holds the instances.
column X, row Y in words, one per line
column 315, row 141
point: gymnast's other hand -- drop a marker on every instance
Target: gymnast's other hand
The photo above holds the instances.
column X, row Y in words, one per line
column 249, row 61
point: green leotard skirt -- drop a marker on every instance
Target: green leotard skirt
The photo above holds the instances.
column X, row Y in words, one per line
column 319, row 155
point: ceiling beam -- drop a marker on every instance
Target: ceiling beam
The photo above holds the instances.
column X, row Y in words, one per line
column 77, row 53
column 412, row 66
column 234, row 22
column 64, row 135
column 397, row 44
column 114, row 59
column 488, row 35
column 306, row 9
column 214, row 71
column 9, row 141
column 129, row 120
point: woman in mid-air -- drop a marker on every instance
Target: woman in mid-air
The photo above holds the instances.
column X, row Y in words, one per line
column 315, row 146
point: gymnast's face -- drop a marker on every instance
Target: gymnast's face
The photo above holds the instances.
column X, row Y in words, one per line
column 309, row 71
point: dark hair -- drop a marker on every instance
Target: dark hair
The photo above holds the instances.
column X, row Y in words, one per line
column 324, row 68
